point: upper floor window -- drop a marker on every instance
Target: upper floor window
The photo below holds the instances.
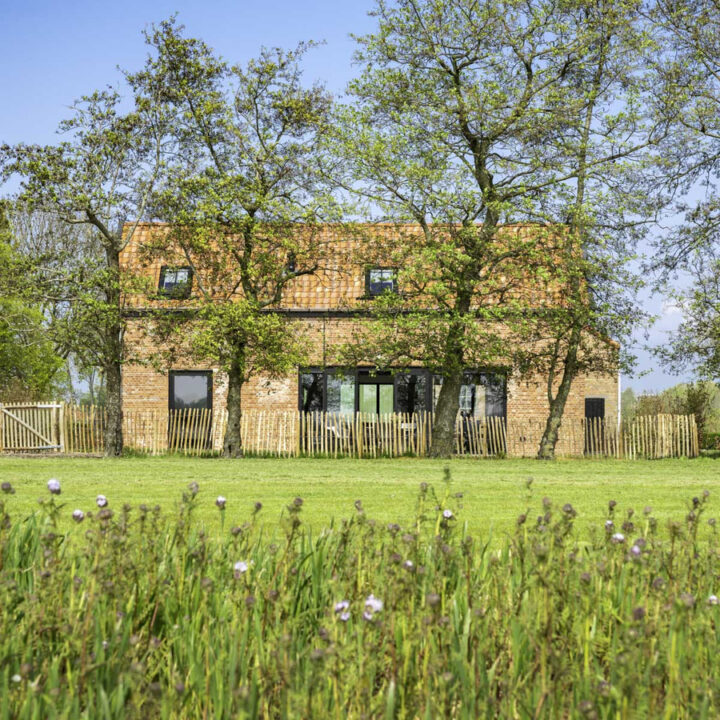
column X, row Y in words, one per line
column 175, row 282
column 380, row 280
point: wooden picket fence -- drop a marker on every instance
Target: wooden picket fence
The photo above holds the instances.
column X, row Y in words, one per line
column 55, row 427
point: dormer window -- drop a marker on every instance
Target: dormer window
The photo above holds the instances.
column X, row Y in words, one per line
column 380, row 280
column 175, row 283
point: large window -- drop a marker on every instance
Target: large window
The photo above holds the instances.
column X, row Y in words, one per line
column 379, row 281
column 175, row 283
column 361, row 390
column 312, row 391
column 482, row 394
column 340, row 391
column 190, row 389
column 376, row 392
column 411, row 392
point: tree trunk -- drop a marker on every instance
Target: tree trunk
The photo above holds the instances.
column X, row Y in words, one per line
column 443, row 438
column 113, row 356
column 232, row 444
column 113, row 406
column 557, row 402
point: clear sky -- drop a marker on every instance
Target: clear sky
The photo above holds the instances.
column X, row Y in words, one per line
column 53, row 51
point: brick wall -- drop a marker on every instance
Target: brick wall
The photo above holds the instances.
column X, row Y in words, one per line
column 146, row 388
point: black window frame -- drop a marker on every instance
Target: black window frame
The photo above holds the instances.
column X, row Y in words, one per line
column 171, row 385
column 177, row 292
column 394, row 290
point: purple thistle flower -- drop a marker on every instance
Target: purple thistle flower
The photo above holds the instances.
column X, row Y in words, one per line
column 344, row 616
column 101, row 501
column 713, row 600
column 447, row 514
column 618, row 538
column 78, row 516
column 7, row 488
column 408, row 564
column 53, row 486
column 240, row 568
column 609, row 525
column 220, row 502
column 373, row 604
column 341, row 606
column 367, row 616
column 635, row 551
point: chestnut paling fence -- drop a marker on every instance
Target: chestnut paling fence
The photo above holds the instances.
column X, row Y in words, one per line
column 56, row 427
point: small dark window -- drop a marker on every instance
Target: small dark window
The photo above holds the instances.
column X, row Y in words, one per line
column 379, row 281
column 175, row 282
column 594, row 408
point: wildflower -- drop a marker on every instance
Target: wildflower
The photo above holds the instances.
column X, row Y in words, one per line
column 647, row 510
column 78, row 516
column 297, row 502
column 341, row 606
column 240, row 567
column 713, row 600
column 220, row 502
column 408, row 564
column 344, row 616
column 568, row 509
column 609, row 525
column 687, row 599
column 194, row 488
column 16, row 678
column 618, row 538
column 585, row 577
column 447, row 514
column 258, row 506
column 367, row 616
column 611, row 505
column 635, row 551
column 7, row 488
column 53, row 486
column 373, row 604
column 101, row 501
column 433, row 599
column 358, row 506
column 638, row 613
column 521, row 519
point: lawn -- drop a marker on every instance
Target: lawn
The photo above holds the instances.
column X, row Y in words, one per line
column 494, row 491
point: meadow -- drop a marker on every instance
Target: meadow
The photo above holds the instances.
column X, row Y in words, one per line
column 493, row 490
column 368, row 589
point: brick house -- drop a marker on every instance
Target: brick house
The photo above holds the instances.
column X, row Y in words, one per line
column 329, row 304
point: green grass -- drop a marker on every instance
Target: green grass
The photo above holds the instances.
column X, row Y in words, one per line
column 136, row 615
column 494, row 490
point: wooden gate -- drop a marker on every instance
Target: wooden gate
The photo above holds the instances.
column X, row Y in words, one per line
column 31, row 427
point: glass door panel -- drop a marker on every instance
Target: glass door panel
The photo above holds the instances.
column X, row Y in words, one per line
column 385, row 404
column 368, row 398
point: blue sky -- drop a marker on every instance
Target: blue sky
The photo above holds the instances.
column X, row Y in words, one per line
column 53, row 51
